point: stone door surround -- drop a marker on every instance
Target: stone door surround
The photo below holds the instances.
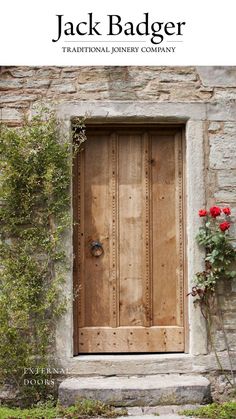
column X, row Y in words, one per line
column 194, row 117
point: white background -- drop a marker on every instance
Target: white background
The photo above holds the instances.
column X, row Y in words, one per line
column 28, row 26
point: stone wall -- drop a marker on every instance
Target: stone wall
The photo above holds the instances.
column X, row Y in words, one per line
column 21, row 87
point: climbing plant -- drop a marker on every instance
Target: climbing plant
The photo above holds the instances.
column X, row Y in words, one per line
column 35, row 169
column 220, row 253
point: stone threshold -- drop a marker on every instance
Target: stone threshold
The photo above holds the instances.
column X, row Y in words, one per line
column 142, row 364
column 129, row 364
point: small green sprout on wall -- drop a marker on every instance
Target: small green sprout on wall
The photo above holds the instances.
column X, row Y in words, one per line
column 35, row 178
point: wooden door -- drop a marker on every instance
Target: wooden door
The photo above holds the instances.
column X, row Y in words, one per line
column 128, row 241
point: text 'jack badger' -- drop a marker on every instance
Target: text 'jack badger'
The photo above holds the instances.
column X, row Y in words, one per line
column 157, row 31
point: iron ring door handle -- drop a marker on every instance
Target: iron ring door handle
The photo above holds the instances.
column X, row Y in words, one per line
column 96, row 249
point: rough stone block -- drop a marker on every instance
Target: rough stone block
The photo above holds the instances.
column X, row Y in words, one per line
column 230, row 128
column 230, row 318
column 17, row 98
column 94, row 87
column 222, row 94
column 219, row 111
column 225, row 195
column 226, row 178
column 73, row 74
column 189, row 93
column 228, row 302
column 222, row 152
column 220, row 343
column 218, row 76
column 9, row 84
column 208, row 362
column 163, row 410
column 214, row 127
column 137, row 391
column 22, row 72
column 48, row 72
column 37, row 84
column 177, row 77
column 10, row 114
column 62, row 87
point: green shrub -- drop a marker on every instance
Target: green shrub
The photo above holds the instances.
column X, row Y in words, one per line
column 82, row 409
column 225, row 410
column 35, row 169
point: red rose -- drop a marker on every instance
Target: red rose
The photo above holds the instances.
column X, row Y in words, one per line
column 215, row 211
column 226, row 211
column 202, row 213
column 224, row 226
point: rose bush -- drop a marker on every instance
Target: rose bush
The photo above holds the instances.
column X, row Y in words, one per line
column 214, row 236
column 220, row 253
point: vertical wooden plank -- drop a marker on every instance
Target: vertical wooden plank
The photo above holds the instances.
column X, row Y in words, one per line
column 165, row 254
column 81, row 221
column 97, row 209
column 131, row 240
